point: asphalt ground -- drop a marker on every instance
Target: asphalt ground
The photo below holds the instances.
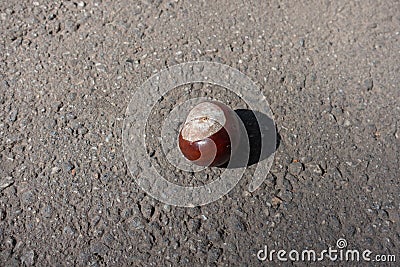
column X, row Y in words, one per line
column 328, row 69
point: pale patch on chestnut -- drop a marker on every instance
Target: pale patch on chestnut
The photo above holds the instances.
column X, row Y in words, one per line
column 203, row 120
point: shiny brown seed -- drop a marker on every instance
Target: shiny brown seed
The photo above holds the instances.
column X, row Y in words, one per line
column 210, row 134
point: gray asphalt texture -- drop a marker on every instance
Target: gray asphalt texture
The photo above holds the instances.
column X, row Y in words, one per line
column 329, row 69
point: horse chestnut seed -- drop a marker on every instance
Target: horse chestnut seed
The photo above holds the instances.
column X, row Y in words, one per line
column 210, row 134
